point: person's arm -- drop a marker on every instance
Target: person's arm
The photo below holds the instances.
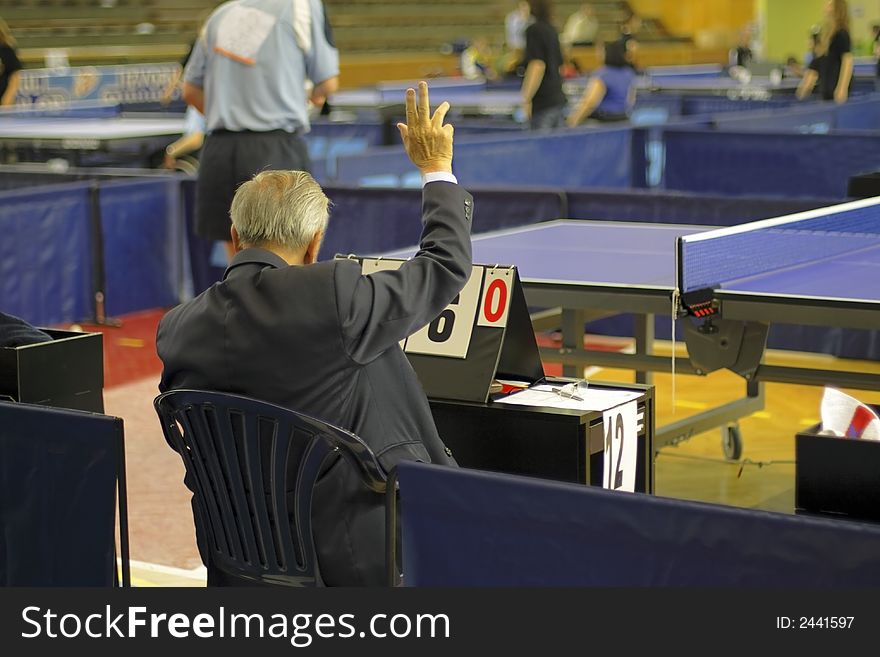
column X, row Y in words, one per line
column 193, row 91
column 322, row 60
column 324, row 89
column 592, row 98
column 11, row 89
column 194, row 96
column 807, row 83
column 183, row 146
column 841, row 93
column 379, row 310
column 531, row 81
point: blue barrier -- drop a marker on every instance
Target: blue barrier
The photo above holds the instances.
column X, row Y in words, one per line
column 858, row 114
column 767, row 164
column 371, row 221
column 143, row 244
column 45, row 266
column 327, row 141
column 469, row 528
column 702, row 105
column 572, row 158
column 681, row 208
column 48, row 248
column 817, row 118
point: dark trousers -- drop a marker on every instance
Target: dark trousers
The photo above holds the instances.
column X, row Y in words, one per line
column 232, row 158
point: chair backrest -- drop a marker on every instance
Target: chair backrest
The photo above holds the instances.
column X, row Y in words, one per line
column 242, row 456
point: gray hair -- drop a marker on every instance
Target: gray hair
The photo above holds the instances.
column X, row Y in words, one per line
column 286, row 208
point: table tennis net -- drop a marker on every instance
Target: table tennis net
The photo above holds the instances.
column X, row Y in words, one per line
column 718, row 258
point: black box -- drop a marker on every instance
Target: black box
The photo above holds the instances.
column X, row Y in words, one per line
column 550, row 443
column 837, row 477
column 866, row 185
column 67, row 372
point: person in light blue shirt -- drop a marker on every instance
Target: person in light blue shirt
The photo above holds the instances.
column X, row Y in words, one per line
column 611, row 92
column 248, row 74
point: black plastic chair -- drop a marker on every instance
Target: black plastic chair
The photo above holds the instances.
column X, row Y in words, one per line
column 236, row 451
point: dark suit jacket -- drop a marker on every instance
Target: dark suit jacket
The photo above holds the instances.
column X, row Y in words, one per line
column 323, row 339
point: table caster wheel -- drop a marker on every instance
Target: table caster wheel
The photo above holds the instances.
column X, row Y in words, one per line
column 731, row 442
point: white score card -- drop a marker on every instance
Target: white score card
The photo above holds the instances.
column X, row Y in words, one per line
column 449, row 334
column 620, row 425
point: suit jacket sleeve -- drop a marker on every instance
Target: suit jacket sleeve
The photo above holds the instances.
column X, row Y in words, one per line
column 380, row 310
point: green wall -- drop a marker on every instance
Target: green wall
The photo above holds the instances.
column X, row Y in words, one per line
column 786, row 25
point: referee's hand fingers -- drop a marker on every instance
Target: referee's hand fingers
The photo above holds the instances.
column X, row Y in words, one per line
column 439, row 115
column 404, row 132
column 424, row 103
column 411, row 113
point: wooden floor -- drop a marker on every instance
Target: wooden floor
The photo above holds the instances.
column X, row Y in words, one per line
column 161, row 520
column 764, row 478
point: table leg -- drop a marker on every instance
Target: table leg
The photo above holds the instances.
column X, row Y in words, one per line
column 644, row 333
column 573, row 340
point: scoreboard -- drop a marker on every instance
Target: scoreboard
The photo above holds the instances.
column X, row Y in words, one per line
column 485, row 332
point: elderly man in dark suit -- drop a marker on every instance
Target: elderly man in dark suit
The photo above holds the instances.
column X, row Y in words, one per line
column 322, row 338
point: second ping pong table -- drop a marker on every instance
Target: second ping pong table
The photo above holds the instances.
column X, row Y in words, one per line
column 72, row 137
column 589, row 270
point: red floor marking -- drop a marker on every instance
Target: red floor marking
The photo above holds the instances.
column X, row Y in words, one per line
column 130, row 350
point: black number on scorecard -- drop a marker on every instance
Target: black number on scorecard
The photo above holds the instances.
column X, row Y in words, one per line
column 615, row 478
column 440, row 329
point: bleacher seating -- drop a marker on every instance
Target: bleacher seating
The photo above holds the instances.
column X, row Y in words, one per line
column 93, row 31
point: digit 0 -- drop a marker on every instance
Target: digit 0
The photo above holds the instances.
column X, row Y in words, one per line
column 491, row 315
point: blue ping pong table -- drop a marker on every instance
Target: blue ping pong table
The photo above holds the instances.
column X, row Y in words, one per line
column 587, row 270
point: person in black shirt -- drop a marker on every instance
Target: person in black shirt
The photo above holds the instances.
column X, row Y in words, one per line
column 9, row 66
column 543, row 99
column 832, row 67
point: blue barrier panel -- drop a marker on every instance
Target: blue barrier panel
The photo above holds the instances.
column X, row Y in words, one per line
column 328, row 140
column 469, row 528
column 371, row 221
column 45, row 271
column 681, row 208
column 58, row 471
column 573, row 158
column 768, row 164
column 858, row 115
column 700, row 105
column 671, row 103
column 817, row 118
column 142, row 243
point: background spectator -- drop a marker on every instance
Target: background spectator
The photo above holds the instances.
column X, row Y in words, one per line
column 581, row 28
column 611, row 93
column 10, row 66
column 543, row 99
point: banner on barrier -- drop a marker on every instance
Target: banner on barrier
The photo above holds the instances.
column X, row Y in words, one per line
column 57, row 88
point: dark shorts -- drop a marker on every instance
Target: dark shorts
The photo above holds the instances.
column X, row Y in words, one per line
column 232, row 158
